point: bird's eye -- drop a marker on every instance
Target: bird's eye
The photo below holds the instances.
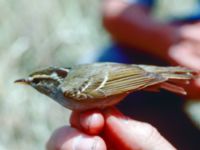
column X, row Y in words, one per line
column 36, row 81
column 61, row 73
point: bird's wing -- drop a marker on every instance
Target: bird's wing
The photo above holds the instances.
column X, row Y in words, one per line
column 108, row 80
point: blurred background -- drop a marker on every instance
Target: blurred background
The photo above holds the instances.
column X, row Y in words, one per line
column 35, row 34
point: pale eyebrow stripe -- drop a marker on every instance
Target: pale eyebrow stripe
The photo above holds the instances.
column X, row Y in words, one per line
column 64, row 69
column 41, row 76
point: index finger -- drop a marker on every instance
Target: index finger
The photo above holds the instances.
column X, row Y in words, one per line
column 91, row 121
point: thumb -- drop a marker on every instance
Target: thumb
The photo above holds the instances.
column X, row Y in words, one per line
column 124, row 133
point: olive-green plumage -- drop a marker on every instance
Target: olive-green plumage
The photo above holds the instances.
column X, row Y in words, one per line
column 100, row 85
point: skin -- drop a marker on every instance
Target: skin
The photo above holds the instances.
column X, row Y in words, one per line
column 106, row 130
column 176, row 44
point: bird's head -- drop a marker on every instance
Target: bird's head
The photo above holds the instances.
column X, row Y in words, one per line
column 47, row 80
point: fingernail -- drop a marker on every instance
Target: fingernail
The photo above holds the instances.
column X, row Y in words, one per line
column 124, row 119
column 88, row 143
column 92, row 122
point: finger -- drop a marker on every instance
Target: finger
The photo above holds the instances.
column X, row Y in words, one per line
column 185, row 50
column 91, row 122
column 75, row 119
column 190, row 31
column 124, row 133
column 68, row 138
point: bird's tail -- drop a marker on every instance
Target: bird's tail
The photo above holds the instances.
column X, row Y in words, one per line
column 175, row 77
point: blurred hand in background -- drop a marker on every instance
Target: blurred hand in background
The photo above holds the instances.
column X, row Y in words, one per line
column 134, row 26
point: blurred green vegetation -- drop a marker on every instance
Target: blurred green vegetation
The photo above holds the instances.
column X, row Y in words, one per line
column 35, row 34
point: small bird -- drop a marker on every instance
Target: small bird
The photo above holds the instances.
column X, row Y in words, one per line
column 100, row 85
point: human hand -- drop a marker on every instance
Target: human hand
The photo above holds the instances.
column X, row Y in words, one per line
column 186, row 53
column 178, row 44
column 106, row 130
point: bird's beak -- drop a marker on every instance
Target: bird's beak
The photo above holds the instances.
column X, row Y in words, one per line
column 23, row 81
